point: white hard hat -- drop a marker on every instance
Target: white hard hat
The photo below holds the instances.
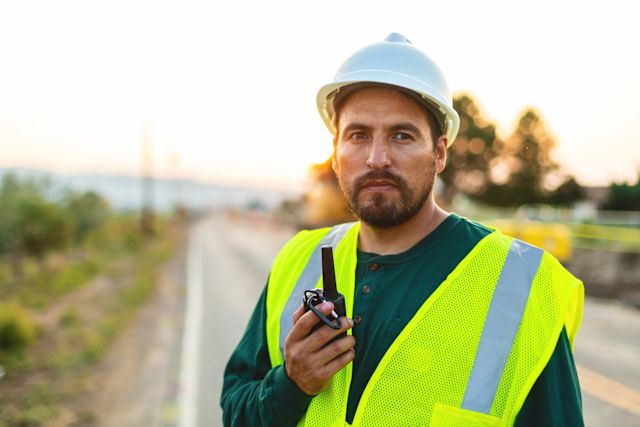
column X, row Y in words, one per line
column 395, row 61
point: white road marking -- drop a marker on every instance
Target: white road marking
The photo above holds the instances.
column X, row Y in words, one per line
column 189, row 368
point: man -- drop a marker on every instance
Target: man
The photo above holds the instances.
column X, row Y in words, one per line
column 449, row 323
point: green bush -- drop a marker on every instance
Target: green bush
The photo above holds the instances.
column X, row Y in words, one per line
column 69, row 318
column 75, row 275
column 93, row 348
column 17, row 329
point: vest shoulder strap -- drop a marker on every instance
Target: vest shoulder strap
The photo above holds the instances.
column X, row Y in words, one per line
column 299, row 264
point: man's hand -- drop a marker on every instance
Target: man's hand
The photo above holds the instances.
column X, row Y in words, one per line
column 310, row 361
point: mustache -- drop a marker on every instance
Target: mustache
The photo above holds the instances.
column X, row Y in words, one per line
column 362, row 181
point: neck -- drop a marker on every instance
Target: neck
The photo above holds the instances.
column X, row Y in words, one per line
column 397, row 239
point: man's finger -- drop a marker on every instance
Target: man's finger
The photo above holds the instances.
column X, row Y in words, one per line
column 325, row 334
column 338, row 363
column 334, row 349
column 308, row 320
column 298, row 314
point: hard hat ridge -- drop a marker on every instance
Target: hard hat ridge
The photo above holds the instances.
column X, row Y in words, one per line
column 396, row 37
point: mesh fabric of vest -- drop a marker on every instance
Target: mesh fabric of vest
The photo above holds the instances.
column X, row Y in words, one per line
column 286, row 269
column 430, row 361
column 555, row 302
column 330, row 406
column 336, row 395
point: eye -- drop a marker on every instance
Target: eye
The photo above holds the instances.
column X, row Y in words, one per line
column 401, row 136
column 358, row 136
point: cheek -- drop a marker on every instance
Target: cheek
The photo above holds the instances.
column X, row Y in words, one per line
column 420, row 169
column 345, row 159
column 346, row 151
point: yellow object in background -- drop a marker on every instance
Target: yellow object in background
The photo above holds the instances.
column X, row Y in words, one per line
column 552, row 237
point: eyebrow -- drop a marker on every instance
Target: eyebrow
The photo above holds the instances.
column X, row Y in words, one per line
column 354, row 126
column 406, row 126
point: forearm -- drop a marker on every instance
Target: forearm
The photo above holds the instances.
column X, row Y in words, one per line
column 271, row 401
column 255, row 394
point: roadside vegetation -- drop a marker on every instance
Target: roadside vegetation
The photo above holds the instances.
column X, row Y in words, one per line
column 73, row 274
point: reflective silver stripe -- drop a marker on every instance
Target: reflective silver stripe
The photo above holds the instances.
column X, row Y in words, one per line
column 501, row 325
column 309, row 278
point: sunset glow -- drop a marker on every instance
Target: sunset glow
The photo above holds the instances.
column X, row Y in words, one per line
column 229, row 87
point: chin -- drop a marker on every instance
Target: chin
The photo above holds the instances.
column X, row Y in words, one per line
column 378, row 200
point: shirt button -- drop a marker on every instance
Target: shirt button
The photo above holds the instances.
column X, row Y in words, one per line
column 366, row 289
column 374, row 266
column 357, row 319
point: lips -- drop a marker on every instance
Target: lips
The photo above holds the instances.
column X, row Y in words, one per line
column 378, row 182
column 379, row 185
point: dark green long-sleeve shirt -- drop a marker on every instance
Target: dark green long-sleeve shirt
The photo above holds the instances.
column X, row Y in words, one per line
column 386, row 298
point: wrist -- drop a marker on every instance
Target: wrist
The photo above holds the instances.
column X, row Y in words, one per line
column 285, row 385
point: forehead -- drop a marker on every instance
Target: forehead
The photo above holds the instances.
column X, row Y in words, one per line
column 382, row 105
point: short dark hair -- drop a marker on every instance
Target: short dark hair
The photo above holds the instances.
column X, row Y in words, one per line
column 436, row 126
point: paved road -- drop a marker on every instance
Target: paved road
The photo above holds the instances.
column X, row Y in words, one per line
column 607, row 351
column 229, row 263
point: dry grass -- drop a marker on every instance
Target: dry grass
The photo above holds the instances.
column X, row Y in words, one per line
column 75, row 330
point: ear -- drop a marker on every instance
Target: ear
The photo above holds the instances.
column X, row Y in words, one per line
column 333, row 155
column 441, row 153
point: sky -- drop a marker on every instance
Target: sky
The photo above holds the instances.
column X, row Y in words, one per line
column 226, row 90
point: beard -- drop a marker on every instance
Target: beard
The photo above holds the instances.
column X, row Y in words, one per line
column 384, row 210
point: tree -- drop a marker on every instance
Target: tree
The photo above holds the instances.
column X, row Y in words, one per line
column 87, row 212
column 624, row 197
column 29, row 223
column 568, row 192
column 12, row 192
column 521, row 173
column 41, row 226
column 7, row 213
column 470, row 155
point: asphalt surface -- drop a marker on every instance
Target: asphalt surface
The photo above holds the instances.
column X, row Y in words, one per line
column 229, row 265
column 607, row 352
column 235, row 258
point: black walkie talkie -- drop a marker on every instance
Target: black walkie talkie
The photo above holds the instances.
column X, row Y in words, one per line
column 329, row 292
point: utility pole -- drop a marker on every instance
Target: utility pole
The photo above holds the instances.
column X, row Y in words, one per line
column 147, row 226
column 177, row 197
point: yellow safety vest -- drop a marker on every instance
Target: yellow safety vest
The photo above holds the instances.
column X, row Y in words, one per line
column 468, row 357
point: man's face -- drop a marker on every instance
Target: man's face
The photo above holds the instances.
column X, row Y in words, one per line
column 384, row 156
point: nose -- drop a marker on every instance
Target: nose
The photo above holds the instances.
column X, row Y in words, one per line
column 378, row 157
